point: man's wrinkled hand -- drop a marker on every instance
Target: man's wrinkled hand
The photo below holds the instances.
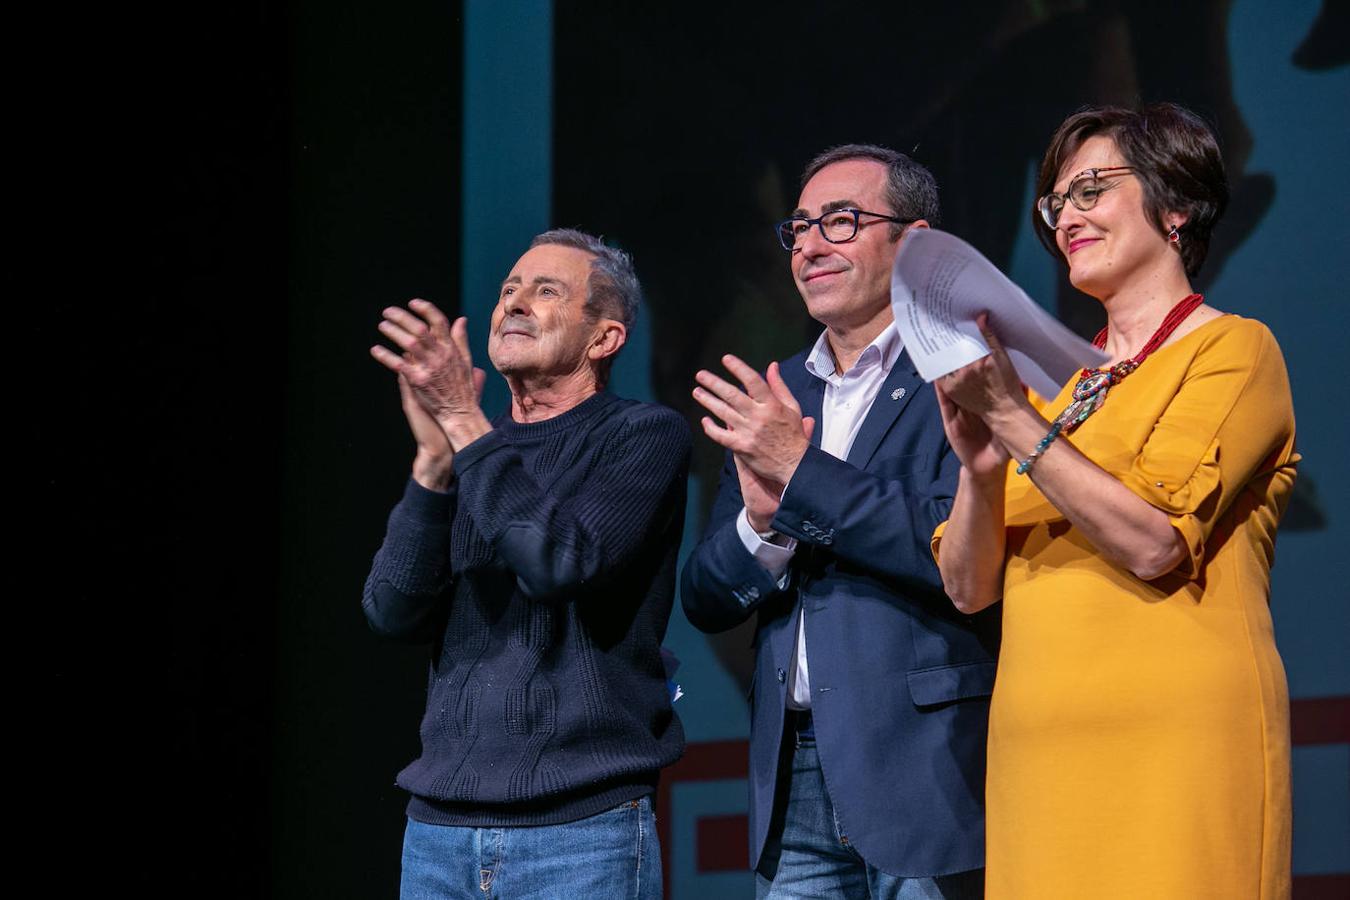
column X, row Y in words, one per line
column 436, row 366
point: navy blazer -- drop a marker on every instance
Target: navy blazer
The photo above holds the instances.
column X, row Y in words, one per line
column 900, row 679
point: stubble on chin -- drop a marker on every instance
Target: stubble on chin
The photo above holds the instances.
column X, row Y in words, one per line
column 502, row 360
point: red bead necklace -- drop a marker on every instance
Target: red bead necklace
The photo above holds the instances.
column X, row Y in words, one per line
column 1090, row 393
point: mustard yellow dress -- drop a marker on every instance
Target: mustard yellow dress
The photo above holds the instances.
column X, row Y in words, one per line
column 1139, row 731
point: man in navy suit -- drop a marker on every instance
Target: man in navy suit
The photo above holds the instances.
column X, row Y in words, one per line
column 871, row 691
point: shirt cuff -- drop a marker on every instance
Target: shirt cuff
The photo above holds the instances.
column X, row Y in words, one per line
column 773, row 558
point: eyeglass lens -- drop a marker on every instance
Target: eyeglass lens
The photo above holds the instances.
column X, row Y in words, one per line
column 1084, row 192
column 838, row 227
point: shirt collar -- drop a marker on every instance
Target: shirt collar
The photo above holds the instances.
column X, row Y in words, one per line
column 885, row 348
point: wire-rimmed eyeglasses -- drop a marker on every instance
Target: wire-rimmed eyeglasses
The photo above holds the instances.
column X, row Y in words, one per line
column 1085, row 189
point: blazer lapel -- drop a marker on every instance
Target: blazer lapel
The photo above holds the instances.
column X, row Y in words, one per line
column 809, row 392
column 896, row 392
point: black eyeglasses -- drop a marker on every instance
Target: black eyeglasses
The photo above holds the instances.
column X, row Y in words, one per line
column 838, row 226
column 1084, row 191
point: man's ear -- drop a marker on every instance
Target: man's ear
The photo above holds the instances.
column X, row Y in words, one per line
column 610, row 336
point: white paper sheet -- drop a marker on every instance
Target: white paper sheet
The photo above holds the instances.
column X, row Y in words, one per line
column 939, row 284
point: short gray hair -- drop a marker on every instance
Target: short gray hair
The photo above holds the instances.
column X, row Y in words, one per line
column 911, row 190
column 612, row 290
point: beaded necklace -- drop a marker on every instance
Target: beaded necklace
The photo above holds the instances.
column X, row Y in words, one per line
column 1090, row 393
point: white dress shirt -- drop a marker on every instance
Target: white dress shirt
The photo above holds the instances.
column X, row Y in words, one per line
column 847, row 399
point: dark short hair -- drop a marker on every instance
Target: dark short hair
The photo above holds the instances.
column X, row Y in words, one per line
column 612, row 288
column 1174, row 154
column 911, row 190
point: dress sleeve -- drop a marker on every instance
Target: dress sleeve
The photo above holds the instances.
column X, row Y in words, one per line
column 1230, row 423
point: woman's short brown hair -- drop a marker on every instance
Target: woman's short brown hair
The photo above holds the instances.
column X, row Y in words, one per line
column 1175, row 155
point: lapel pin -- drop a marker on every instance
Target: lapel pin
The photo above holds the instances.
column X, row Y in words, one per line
column 897, row 393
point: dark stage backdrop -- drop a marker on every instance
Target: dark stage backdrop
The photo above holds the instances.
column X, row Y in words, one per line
column 311, row 159
column 374, row 157
column 147, row 195
column 214, row 203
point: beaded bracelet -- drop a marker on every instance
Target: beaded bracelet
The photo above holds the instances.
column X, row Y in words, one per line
column 1025, row 465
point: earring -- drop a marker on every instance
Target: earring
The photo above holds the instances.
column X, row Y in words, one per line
column 1172, row 236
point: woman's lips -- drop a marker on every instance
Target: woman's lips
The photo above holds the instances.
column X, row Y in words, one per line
column 1079, row 243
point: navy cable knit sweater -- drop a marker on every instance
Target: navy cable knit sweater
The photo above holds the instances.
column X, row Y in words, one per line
column 544, row 580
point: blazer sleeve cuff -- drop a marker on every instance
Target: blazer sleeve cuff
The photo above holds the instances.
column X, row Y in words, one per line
column 745, row 579
column 802, row 514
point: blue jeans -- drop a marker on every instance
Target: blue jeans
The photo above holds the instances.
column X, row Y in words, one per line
column 611, row 856
column 808, row 856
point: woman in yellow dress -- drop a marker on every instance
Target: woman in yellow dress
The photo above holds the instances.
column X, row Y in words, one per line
column 1139, row 732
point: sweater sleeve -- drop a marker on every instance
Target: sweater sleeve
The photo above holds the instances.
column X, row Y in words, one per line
column 406, row 590
column 556, row 545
